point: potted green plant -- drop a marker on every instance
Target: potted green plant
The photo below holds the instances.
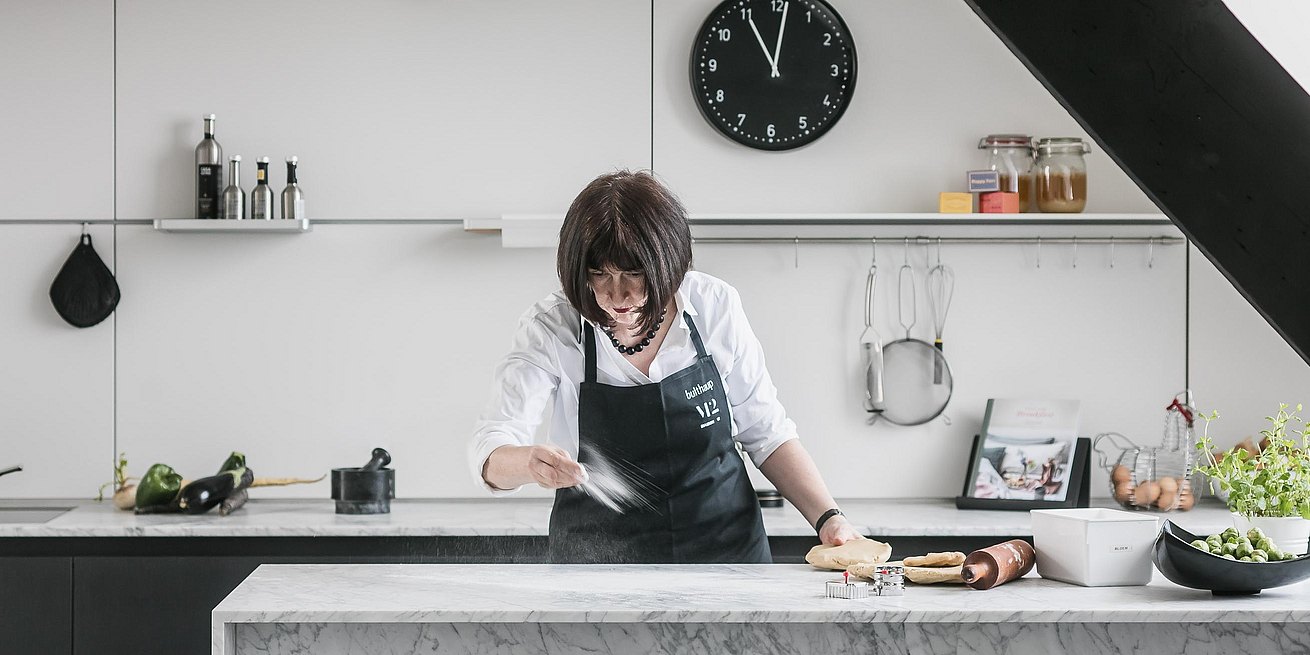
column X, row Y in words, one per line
column 1269, row 490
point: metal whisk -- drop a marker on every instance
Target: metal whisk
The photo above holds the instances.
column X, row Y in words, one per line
column 941, row 286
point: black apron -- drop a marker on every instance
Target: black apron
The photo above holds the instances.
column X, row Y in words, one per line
column 679, row 432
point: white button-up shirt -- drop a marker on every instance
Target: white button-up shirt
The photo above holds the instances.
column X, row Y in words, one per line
column 545, row 367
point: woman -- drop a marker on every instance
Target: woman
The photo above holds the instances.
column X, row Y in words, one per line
column 655, row 367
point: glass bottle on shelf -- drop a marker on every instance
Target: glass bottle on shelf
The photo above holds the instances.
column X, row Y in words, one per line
column 209, row 173
column 1061, row 175
column 261, row 197
column 234, row 197
column 1011, row 155
column 293, row 198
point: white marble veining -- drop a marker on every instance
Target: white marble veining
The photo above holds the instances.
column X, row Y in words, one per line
column 521, row 517
column 330, row 609
column 752, row 593
column 770, row 639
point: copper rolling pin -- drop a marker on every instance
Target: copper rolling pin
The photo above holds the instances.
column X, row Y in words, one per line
column 999, row 564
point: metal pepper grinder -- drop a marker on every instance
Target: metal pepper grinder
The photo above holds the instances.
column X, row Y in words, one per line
column 367, row 489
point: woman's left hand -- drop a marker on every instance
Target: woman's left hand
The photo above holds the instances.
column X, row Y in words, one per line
column 837, row 531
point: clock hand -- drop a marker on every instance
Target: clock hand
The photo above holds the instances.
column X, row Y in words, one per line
column 777, row 48
column 760, row 40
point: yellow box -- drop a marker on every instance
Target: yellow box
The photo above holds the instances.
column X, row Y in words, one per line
column 949, row 202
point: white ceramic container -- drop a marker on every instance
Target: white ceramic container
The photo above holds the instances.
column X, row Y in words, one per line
column 1290, row 534
column 1094, row 547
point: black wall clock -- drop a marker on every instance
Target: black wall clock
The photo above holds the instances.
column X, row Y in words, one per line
column 773, row 74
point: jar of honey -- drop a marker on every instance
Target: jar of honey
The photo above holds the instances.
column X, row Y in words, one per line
column 1061, row 174
column 1011, row 155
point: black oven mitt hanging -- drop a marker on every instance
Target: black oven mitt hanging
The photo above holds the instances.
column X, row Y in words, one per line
column 85, row 292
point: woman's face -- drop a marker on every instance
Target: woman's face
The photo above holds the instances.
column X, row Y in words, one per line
column 619, row 293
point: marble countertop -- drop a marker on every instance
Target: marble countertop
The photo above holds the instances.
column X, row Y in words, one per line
column 516, row 517
column 775, row 593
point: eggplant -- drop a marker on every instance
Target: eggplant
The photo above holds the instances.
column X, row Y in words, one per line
column 204, row 494
column 233, row 502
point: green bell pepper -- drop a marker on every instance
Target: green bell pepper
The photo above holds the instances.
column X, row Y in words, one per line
column 159, row 486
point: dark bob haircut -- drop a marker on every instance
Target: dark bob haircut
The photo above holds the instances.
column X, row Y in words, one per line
column 629, row 221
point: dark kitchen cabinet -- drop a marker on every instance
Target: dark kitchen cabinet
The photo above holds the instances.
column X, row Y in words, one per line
column 36, row 605
column 133, row 595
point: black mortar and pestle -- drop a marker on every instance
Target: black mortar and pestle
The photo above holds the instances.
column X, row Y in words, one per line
column 367, row 489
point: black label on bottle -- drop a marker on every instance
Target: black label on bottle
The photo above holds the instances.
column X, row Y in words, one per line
column 209, row 185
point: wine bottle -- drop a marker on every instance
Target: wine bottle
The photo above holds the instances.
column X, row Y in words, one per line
column 293, row 198
column 234, row 197
column 209, row 173
column 261, row 198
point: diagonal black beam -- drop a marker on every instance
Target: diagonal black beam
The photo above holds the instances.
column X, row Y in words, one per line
column 1199, row 115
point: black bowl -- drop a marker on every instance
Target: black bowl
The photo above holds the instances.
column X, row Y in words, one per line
column 1191, row 567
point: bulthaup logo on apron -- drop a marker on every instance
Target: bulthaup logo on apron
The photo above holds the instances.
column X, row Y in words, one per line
column 699, row 389
column 709, row 409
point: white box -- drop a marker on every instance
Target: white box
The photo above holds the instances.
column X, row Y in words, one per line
column 1094, row 547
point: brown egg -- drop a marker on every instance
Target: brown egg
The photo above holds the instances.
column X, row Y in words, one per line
column 1120, row 474
column 1167, row 485
column 1123, row 491
column 1146, row 493
column 1167, row 498
column 1186, row 498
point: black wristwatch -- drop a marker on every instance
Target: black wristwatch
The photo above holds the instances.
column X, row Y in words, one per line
column 823, row 518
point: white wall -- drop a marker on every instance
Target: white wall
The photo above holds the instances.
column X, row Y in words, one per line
column 305, row 351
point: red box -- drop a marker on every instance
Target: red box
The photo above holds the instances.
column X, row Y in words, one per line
column 998, row 202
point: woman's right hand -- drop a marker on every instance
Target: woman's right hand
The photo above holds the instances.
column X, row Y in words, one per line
column 510, row 467
column 553, row 468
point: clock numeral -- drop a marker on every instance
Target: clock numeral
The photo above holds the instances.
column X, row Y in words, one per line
column 827, row 39
column 807, row 16
column 741, row 118
column 803, row 123
column 745, row 14
column 719, row 96
column 777, row 6
column 770, row 131
column 713, row 64
column 725, row 34
column 825, row 101
column 836, row 70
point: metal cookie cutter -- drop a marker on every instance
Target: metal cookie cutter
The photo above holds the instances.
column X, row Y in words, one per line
column 889, row 580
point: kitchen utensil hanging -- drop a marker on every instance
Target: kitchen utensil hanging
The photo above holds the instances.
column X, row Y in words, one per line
column 871, row 344
column 941, row 286
column 911, row 396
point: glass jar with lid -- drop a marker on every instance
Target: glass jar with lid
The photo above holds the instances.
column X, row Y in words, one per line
column 1011, row 155
column 1061, row 175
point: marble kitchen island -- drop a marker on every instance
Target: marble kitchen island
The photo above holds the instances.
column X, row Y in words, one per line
column 535, row 608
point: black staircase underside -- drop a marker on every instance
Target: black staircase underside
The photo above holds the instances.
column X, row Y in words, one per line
column 1200, row 116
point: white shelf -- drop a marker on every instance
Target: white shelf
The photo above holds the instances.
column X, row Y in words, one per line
column 208, row 225
column 928, row 219
column 542, row 230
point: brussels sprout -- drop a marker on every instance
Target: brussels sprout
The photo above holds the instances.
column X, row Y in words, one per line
column 1243, row 551
column 1229, row 556
column 1245, row 559
column 1245, row 543
column 1230, row 548
column 1260, row 552
column 1201, row 545
column 1215, row 541
column 1255, row 534
column 1230, row 534
column 1265, row 545
column 1259, row 558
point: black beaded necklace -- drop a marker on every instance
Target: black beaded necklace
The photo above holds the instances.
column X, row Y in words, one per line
column 632, row 350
